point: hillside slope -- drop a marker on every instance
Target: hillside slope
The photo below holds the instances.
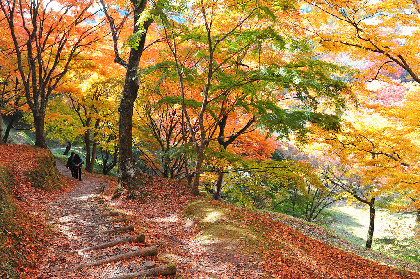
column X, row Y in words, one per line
column 27, row 176
column 204, row 238
column 210, row 239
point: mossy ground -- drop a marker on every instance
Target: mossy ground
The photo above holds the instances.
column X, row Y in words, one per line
column 225, row 226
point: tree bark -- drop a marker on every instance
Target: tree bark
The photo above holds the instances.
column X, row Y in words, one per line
column 120, row 229
column 369, row 239
column 39, row 123
column 86, row 139
column 219, row 182
column 106, row 168
column 126, row 168
column 1, row 129
column 68, row 147
column 91, row 152
column 9, row 127
column 200, row 156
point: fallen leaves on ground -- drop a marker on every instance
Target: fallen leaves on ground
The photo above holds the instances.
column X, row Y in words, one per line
column 204, row 238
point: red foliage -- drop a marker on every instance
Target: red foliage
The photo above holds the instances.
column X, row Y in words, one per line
column 30, row 202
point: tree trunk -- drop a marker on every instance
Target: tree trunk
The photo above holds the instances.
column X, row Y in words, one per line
column 106, row 168
column 1, row 129
column 86, row 138
column 68, row 147
column 418, row 216
column 9, row 127
column 219, row 182
column 91, row 153
column 40, row 139
column 126, row 169
column 128, row 239
column 196, row 182
column 369, row 239
column 93, row 157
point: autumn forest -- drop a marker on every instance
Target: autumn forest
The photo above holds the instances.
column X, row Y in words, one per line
column 224, row 139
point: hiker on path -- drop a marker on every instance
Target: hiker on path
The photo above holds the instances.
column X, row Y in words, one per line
column 78, row 162
column 70, row 164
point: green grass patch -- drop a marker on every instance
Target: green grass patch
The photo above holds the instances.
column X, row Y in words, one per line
column 225, row 226
column 395, row 233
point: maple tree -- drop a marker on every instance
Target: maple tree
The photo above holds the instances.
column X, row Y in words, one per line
column 386, row 38
column 240, row 137
column 239, row 66
column 88, row 110
column 12, row 104
column 12, row 99
column 381, row 33
column 379, row 138
column 373, row 140
column 140, row 12
column 163, row 138
column 46, row 37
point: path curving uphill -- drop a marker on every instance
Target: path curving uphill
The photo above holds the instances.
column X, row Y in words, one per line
column 93, row 240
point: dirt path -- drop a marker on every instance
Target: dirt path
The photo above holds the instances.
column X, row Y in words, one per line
column 81, row 219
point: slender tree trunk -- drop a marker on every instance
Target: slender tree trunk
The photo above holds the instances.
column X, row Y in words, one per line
column 219, row 183
column 165, row 164
column 68, row 147
column 418, row 216
column 200, row 156
column 1, row 129
column 9, row 128
column 93, row 158
column 91, row 153
column 369, row 239
column 40, row 139
column 86, row 138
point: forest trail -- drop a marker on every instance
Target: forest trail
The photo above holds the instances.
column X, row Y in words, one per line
column 85, row 226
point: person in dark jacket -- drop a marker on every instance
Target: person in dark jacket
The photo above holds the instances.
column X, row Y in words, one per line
column 78, row 162
column 70, row 164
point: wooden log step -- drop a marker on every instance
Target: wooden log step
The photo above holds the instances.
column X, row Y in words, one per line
column 160, row 270
column 148, row 251
column 120, row 220
column 114, row 230
column 110, row 213
column 120, row 229
column 129, row 239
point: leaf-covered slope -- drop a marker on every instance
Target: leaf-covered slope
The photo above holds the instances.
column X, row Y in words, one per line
column 210, row 239
column 283, row 252
column 25, row 173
